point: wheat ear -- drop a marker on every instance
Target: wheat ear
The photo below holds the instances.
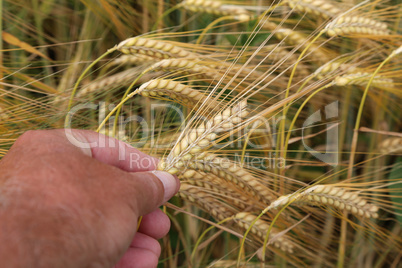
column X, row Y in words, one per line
column 205, row 201
column 132, row 60
column 215, row 185
column 391, row 145
column 217, row 8
column 176, row 91
column 3, row 115
column 323, row 8
column 153, row 48
column 113, row 81
column 189, row 66
column 202, row 137
column 329, row 195
column 348, row 25
column 362, row 79
column 260, row 229
column 233, row 173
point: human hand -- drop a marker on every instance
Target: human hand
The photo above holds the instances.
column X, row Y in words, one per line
column 65, row 206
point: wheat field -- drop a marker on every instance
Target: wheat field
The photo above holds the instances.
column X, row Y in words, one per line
column 282, row 119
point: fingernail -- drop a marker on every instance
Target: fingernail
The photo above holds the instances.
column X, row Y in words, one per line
column 169, row 183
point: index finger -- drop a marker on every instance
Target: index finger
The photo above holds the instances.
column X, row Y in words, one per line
column 111, row 151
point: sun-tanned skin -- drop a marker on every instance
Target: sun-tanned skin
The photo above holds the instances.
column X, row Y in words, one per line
column 62, row 206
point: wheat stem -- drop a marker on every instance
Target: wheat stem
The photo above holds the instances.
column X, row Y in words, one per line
column 212, row 24
column 70, row 103
column 360, row 111
column 285, row 145
column 164, row 14
column 102, row 124
column 282, row 126
column 204, row 233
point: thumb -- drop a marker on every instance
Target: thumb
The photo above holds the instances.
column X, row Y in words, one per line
column 151, row 190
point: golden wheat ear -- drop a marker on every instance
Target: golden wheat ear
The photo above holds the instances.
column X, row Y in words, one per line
column 217, row 8
column 202, row 137
column 3, row 114
column 216, row 186
column 177, row 92
column 153, row 48
column 114, row 81
column 321, row 8
column 235, row 174
column 357, row 25
column 362, row 79
column 330, row 195
column 391, row 145
column 202, row 198
column 132, row 60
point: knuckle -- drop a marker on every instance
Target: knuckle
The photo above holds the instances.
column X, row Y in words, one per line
column 28, row 137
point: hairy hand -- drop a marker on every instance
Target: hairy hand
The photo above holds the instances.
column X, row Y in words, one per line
column 66, row 206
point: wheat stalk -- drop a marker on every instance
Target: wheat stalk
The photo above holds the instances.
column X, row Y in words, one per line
column 330, row 195
column 260, row 229
column 231, row 264
column 292, row 37
column 280, row 53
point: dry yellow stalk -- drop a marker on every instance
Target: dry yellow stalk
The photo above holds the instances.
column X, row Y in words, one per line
column 196, row 140
column 176, row 91
column 330, row 195
column 217, row 8
column 233, row 173
column 322, row 8
column 153, row 48
column 215, row 185
column 260, row 229
column 349, row 25
column 362, row 79
column 231, row 264
column 391, row 145
column 205, row 201
column 279, row 53
column 120, row 135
